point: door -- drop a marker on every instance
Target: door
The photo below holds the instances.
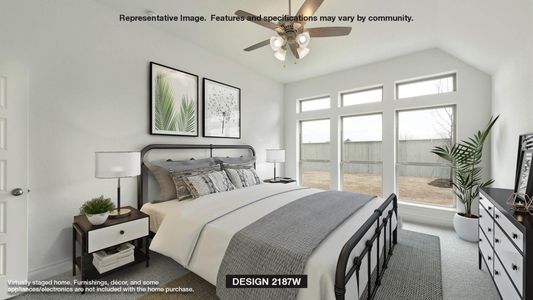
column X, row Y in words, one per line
column 13, row 175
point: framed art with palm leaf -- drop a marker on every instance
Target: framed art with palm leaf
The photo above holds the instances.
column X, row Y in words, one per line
column 222, row 110
column 174, row 101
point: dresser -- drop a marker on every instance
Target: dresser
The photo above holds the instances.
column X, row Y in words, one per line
column 506, row 245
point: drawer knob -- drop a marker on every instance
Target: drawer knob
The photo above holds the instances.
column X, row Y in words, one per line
column 480, row 216
column 515, row 267
column 496, row 272
column 490, row 207
column 496, row 216
column 515, row 236
column 496, row 240
column 489, row 229
column 480, row 240
column 489, row 258
column 122, row 232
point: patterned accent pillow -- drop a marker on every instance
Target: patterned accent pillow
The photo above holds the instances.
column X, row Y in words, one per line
column 208, row 183
column 243, row 177
column 183, row 192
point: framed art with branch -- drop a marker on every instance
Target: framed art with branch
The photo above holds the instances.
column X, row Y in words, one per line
column 524, row 170
column 222, row 110
column 173, row 101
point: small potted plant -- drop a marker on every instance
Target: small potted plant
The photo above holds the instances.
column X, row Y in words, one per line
column 97, row 209
column 466, row 157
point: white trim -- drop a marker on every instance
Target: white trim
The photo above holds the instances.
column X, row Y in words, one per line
column 50, row 270
column 425, row 214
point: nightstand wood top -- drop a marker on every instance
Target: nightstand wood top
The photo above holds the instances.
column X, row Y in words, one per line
column 84, row 224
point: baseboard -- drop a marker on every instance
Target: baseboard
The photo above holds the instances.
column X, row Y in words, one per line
column 50, row 270
column 442, row 217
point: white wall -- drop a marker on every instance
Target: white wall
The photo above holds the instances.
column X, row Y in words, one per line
column 89, row 92
column 512, row 90
column 473, row 101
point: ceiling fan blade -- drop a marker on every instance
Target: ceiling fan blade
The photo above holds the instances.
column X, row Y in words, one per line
column 329, row 31
column 258, row 45
column 294, row 50
column 309, row 8
column 242, row 13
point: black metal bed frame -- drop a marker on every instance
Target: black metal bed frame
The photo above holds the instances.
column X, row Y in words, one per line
column 341, row 276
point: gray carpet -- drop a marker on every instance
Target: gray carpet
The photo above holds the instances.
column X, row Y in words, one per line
column 414, row 270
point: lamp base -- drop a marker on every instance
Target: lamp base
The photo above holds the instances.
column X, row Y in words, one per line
column 120, row 213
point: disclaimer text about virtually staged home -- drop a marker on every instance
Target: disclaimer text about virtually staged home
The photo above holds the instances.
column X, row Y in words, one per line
column 92, row 286
column 234, row 18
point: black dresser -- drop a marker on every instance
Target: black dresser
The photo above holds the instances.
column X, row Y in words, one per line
column 506, row 244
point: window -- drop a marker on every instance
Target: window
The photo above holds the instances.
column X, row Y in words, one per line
column 362, row 96
column 421, row 175
column 314, row 104
column 361, row 164
column 314, row 154
column 427, row 86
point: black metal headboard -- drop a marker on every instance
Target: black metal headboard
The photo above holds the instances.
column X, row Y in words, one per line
column 142, row 181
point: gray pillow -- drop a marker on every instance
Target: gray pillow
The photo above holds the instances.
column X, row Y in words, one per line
column 161, row 171
column 243, row 177
column 236, row 162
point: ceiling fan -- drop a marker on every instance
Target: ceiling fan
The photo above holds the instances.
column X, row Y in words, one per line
column 291, row 32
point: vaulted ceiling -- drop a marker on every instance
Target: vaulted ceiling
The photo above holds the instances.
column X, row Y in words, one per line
column 480, row 32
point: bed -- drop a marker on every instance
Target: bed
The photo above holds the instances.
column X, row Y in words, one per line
column 196, row 233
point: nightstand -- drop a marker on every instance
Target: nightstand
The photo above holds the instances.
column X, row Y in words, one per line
column 115, row 231
column 284, row 180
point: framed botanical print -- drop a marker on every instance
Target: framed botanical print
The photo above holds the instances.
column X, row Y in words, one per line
column 173, row 101
column 524, row 171
column 222, row 110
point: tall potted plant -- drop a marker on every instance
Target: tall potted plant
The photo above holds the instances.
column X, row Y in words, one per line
column 466, row 157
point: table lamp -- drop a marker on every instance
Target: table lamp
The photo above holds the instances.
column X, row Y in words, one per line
column 275, row 156
column 119, row 164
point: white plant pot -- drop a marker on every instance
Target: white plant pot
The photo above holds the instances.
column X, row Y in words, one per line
column 97, row 219
column 466, row 228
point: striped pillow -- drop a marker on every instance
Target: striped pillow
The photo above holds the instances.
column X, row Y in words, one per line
column 208, row 183
column 243, row 177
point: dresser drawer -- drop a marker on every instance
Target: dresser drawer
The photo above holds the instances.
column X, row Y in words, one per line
column 510, row 258
column 514, row 233
column 487, row 204
column 486, row 250
column 503, row 282
column 485, row 222
column 109, row 236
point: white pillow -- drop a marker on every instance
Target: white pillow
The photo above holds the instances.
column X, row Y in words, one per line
column 243, row 177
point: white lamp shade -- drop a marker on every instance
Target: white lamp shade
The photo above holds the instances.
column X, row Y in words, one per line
column 117, row 164
column 276, row 42
column 280, row 54
column 303, row 39
column 302, row 52
column 275, row 155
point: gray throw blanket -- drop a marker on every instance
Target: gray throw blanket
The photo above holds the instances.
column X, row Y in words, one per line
column 281, row 242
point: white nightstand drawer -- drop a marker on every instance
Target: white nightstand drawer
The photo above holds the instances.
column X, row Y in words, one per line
column 113, row 235
column 486, row 223
column 503, row 282
column 510, row 258
column 514, row 233
column 486, row 251
column 487, row 204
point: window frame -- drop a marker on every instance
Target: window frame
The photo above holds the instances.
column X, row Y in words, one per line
column 341, row 144
column 397, row 84
column 300, row 147
column 397, row 163
column 300, row 101
column 355, row 91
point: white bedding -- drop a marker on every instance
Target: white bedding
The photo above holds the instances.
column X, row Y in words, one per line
column 187, row 236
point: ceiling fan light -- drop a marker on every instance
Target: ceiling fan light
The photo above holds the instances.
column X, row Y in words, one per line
column 276, row 42
column 303, row 39
column 280, row 54
column 303, row 51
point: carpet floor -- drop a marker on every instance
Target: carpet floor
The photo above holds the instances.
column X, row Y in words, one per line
column 414, row 273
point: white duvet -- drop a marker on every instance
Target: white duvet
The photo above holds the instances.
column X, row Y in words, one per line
column 197, row 233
